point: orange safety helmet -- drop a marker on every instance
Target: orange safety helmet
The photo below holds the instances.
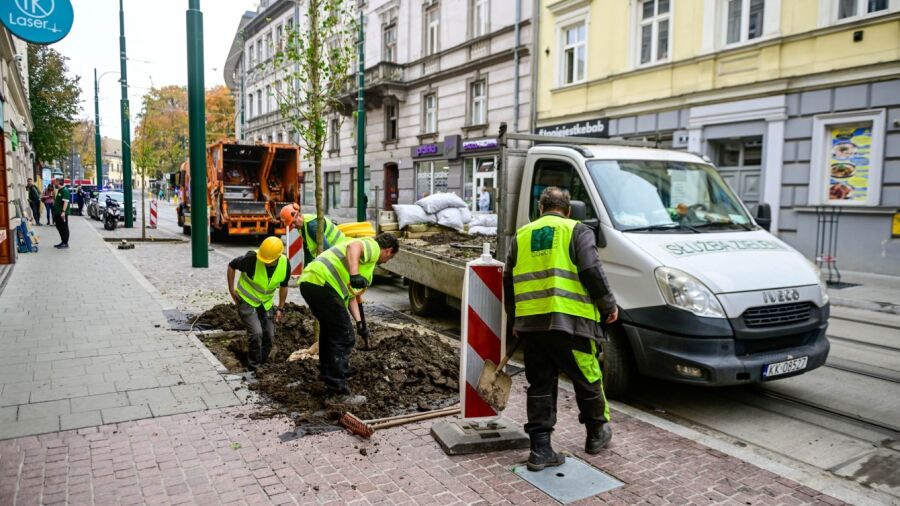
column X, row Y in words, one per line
column 288, row 213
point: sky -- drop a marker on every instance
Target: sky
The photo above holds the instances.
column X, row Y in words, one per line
column 155, row 42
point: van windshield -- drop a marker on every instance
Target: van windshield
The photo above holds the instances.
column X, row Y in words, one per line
column 654, row 195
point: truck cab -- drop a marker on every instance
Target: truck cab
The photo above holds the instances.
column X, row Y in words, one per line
column 706, row 295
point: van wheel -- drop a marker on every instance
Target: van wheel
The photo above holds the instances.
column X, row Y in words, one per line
column 618, row 363
column 422, row 302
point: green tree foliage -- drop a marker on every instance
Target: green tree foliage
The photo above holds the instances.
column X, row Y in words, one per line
column 54, row 102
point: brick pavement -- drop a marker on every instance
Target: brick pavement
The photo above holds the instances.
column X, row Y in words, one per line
column 224, row 456
column 84, row 343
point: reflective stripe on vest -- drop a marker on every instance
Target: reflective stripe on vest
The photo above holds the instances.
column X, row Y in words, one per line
column 260, row 289
column 331, row 265
column 545, row 280
column 330, row 233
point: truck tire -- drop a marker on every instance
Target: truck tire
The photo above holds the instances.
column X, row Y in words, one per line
column 421, row 301
column 618, row 363
column 218, row 234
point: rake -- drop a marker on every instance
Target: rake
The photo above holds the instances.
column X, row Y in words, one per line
column 365, row 428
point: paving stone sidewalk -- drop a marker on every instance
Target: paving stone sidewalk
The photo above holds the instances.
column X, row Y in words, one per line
column 85, row 344
column 225, row 456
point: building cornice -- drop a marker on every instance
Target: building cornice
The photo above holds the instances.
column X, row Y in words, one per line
column 468, row 67
column 469, row 43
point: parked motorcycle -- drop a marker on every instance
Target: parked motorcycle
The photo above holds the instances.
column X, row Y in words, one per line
column 111, row 214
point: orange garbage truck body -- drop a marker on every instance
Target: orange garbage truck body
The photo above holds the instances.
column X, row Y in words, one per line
column 246, row 186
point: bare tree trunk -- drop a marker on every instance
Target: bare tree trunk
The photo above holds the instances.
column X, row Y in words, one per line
column 143, row 212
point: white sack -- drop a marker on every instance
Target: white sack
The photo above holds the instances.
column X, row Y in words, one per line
column 411, row 215
column 451, row 218
column 440, row 201
column 466, row 214
column 484, row 220
column 482, row 230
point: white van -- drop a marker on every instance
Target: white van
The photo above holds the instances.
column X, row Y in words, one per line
column 706, row 295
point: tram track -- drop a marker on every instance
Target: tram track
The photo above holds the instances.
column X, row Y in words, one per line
column 864, row 322
column 864, row 343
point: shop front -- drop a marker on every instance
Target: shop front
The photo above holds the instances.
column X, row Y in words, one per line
column 479, row 173
column 432, row 166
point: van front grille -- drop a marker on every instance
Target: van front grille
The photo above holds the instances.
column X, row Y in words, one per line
column 770, row 316
column 743, row 347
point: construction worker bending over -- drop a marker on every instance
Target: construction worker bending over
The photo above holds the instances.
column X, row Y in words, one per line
column 307, row 224
column 262, row 273
column 331, row 284
column 554, row 285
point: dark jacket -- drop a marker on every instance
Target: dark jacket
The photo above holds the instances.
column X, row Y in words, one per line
column 583, row 251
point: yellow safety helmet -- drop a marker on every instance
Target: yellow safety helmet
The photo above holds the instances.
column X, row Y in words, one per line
column 270, row 250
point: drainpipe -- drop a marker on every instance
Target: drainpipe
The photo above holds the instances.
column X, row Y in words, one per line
column 516, row 63
column 535, row 52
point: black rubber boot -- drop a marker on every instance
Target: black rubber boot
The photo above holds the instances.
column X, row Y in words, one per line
column 542, row 454
column 598, row 435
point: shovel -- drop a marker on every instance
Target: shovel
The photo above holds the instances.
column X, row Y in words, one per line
column 494, row 384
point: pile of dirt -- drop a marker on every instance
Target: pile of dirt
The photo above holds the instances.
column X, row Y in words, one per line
column 453, row 244
column 408, row 368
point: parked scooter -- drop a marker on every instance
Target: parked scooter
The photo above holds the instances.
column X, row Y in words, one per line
column 111, row 214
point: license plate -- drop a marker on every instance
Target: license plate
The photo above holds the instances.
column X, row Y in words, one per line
column 788, row 366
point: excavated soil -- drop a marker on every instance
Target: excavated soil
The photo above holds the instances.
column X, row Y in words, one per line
column 454, row 244
column 408, row 369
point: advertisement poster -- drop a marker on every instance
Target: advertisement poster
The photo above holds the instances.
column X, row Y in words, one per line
column 849, row 160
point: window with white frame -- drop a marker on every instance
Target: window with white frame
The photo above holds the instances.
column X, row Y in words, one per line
column 250, row 105
column 389, row 43
column 432, row 29
column 654, row 31
column 335, row 134
column 259, row 51
column 574, row 53
column 478, row 102
column 429, row 111
column 855, row 8
column 846, row 159
column 279, row 37
column 392, row 123
column 259, row 103
column 480, row 17
column 251, row 56
column 743, row 20
column 269, row 45
column 270, row 99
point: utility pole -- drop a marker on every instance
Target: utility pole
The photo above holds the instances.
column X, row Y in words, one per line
column 126, row 125
column 197, row 132
column 361, row 124
column 97, row 143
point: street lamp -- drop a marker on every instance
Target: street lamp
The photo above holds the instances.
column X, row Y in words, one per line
column 98, row 146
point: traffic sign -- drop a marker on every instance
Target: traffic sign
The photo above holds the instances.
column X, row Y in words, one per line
column 37, row 21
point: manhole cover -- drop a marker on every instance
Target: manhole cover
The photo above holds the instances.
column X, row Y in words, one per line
column 569, row 482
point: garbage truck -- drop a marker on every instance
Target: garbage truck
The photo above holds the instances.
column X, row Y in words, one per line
column 706, row 294
column 247, row 184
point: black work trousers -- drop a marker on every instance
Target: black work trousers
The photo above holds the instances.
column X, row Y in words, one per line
column 547, row 354
column 336, row 335
column 260, row 332
column 36, row 211
column 62, row 226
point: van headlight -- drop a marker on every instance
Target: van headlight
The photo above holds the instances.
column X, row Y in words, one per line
column 823, row 285
column 681, row 290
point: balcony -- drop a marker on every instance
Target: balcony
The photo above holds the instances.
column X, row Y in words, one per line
column 382, row 80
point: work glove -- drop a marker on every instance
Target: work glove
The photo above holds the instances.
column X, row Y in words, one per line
column 358, row 282
column 362, row 330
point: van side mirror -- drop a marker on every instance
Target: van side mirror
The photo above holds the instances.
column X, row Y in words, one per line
column 763, row 215
column 579, row 210
column 599, row 236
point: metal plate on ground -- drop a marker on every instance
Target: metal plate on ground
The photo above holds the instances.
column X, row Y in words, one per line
column 179, row 321
column 569, row 482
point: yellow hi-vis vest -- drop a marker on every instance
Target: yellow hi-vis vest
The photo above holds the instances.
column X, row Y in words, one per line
column 260, row 289
column 331, row 267
column 332, row 235
column 545, row 280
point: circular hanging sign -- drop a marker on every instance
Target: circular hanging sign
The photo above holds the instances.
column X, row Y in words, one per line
column 37, row 21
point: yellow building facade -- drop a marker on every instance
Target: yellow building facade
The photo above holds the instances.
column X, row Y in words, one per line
column 796, row 101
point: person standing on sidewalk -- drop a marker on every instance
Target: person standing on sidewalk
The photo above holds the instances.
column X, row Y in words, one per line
column 48, row 198
column 263, row 272
column 331, row 284
column 61, row 211
column 307, row 224
column 34, row 201
column 555, row 292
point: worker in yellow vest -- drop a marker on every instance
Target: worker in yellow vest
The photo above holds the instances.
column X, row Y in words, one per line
column 307, row 224
column 331, row 285
column 555, row 292
column 263, row 272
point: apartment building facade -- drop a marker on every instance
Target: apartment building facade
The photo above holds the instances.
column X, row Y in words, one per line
column 441, row 76
column 797, row 102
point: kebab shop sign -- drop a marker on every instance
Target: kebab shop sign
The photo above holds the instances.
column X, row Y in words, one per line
column 37, row 21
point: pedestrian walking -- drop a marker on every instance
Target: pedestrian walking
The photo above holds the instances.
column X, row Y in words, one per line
column 34, row 201
column 48, row 197
column 61, row 211
column 308, row 225
column 555, row 293
column 263, row 272
column 79, row 199
column 484, row 200
column 331, row 285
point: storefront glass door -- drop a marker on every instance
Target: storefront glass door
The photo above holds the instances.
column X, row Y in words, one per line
column 479, row 173
column 431, row 177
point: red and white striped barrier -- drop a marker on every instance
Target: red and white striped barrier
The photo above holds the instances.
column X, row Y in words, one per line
column 153, row 213
column 294, row 242
column 483, row 329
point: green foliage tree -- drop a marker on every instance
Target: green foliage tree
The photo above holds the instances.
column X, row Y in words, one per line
column 54, row 102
